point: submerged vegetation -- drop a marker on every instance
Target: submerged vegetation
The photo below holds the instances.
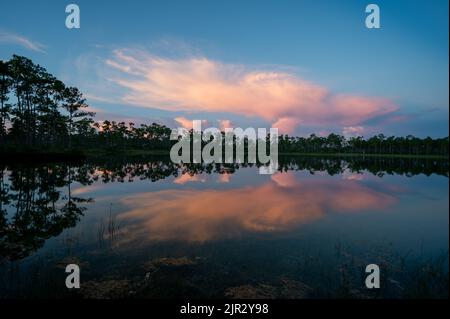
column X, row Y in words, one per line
column 304, row 275
column 40, row 114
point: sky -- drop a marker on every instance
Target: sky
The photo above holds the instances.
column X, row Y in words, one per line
column 301, row 66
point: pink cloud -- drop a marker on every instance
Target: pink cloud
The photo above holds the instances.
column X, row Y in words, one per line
column 286, row 125
column 283, row 203
column 353, row 130
column 224, row 178
column 187, row 123
column 184, row 122
column 223, row 124
column 204, row 85
column 186, row 178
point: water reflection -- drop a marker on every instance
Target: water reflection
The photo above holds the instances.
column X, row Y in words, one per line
column 37, row 203
column 280, row 204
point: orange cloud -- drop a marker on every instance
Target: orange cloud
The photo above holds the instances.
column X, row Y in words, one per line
column 184, row 122
column 187, row 123
column 186, row 178
column 224, row 178
column 203, row 85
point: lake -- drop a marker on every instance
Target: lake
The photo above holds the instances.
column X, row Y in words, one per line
column 143, row 227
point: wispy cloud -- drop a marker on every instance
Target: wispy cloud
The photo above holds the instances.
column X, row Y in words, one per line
column 199, row 84
column 13, row 38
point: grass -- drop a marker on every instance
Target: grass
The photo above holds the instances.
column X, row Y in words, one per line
column 110, row 228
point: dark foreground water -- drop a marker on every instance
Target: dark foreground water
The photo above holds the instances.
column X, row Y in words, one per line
column 146, row 228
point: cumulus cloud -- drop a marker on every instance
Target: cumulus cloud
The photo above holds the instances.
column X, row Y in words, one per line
column 286, row 125
column 198, row 84
column 184, row 122
column 223, row 124
column 187, row 123
column 353, row 131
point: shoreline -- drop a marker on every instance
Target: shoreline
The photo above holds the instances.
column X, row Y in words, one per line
column 79, row 155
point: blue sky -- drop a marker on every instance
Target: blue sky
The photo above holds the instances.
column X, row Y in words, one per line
column 399, row 73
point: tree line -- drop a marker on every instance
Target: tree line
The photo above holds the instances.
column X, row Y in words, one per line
column 37, row 110
column 378, row 144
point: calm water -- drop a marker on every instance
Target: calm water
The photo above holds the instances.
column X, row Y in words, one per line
column 146, row 228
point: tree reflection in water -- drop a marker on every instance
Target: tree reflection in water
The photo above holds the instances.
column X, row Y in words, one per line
column 36, row 202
